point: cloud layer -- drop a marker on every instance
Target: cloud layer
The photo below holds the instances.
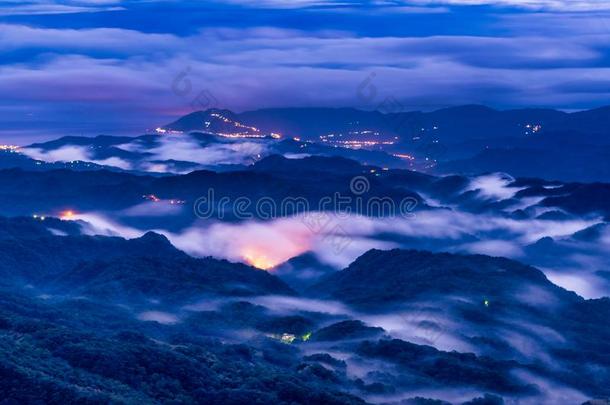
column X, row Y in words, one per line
column 98, row 76
column 266, row 244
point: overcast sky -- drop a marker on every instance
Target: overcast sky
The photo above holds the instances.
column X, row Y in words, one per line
column 119, row 67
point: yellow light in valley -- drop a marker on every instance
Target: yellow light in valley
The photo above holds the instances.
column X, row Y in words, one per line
column 258, row 260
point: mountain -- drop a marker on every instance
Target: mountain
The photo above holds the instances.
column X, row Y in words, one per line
column 15, row 159
column 103, row 319
column 379, row 279
column 111, row 267
column 74, row 351
column 469, row 139
column 49, row 193
column 347, row 330
column 68, row 189
column 309, row 165
column 452, row 125
column 34, row 258
column 583, row 198
column 162, row 153
column 215, row 121
column 500, row 306
column 552, row 155
column 171, row 279
column 449, row 369
column 275, row 177
column 363, row 307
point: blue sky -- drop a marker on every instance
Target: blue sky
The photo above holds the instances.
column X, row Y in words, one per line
column 120, row 67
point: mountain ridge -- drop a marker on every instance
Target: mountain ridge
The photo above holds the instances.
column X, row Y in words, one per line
column 311, row 122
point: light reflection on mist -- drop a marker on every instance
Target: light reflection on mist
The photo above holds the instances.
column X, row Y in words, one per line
column 71, row 153
column 266, row 244
column 162, row 155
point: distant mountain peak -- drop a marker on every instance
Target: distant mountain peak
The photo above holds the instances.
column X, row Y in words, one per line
column 477, row 108
column 380, row 278
column 151, row 236
column 310, row 163
column 217, row 121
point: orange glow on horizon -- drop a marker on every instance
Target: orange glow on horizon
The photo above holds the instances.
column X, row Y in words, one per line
column 260, row 261
column 67, row 215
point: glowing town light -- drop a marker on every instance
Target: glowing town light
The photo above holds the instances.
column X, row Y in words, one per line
column 163, row 131
column 260, row 261
column 404, row 156
column 67, row 215
column 151, row 197
column 9, row 148
column 288, row 338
